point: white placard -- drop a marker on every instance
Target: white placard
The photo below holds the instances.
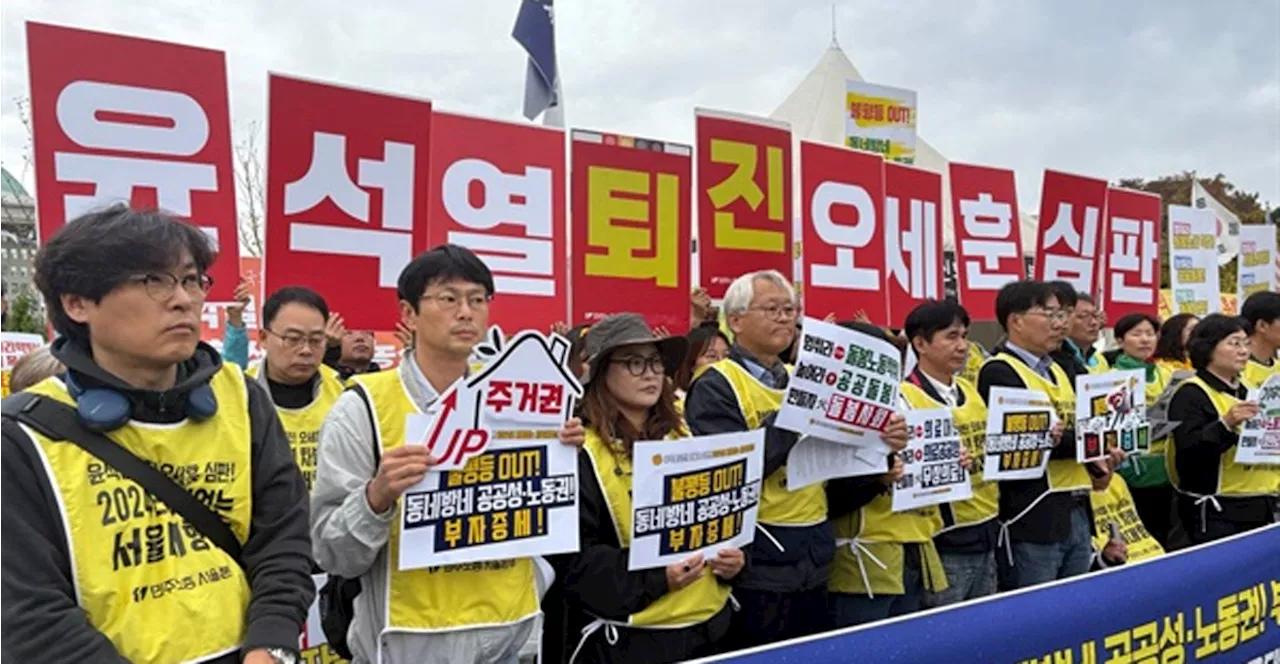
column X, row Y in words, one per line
column 1019, row 434
column 692, row 495
column 1257, row 271
column 1260, row 438
column 931, row 462
column 845, row 386
column 506, row 486
column 1111, row 413
column 1193, row 261
column 814, row 460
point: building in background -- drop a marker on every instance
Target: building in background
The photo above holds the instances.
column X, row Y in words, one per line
column 18, row 227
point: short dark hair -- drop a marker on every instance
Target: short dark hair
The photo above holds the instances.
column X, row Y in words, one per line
column 699, row 338
column 1085, row 297
column 443, row 263
column 1208, row 334
column 99, row 251
column 1169, row 345
column 1263, row 306
column 292, row 295
column 934, row 316
column 1017, row 297
column 1130, row 321
column 1066, row 293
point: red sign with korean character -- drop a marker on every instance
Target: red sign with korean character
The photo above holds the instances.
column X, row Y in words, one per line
column 347, row 185
column 631, row 229
column 1131, row 253
column 984, row 205
column 497, row 188
column 1069, row 240
column 744, row 197
column 123, row 119
column 842, row 195
column 913, row 238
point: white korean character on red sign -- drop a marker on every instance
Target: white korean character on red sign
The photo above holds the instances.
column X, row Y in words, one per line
column 1072, row 207
column 912, row 233
column 1133, row 260
column 990, row 220
column 327, row 177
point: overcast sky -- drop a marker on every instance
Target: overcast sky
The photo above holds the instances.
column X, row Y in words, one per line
column 1098, row 87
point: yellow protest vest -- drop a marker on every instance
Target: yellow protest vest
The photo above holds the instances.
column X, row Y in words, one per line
column 1115, row 505
column 453, row 596
column 1063, row 475
column 778, row 506
column 1100, row 366
column 697, row 602
column 973, row 362
column 1256, row 373
column 971, row 421
column 157, row 588
column 869, row 552
column 302, row 425
column 1234, row 479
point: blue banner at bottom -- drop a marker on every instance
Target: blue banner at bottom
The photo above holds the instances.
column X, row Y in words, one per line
column 1218, row 602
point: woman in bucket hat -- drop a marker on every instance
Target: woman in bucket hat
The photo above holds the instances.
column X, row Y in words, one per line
column 656, row 615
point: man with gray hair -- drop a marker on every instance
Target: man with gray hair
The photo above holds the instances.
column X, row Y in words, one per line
column 783, row 590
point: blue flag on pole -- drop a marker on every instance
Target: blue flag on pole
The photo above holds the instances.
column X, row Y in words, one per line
column 535, row 30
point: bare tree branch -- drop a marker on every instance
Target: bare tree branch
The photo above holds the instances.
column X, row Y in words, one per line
column 250, row 194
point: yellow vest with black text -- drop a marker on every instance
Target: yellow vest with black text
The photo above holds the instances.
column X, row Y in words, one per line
column 1064, row 475
column 1235, row 480
column 778, row 506
column 697, row 602
column 1256, row 373
column 869, row 553
column 453, row 596
column 151, row 583
column 302, row 425
column 971, row 422
column 1115, row 505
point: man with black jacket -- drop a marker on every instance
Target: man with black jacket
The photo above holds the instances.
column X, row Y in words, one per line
column 1046, row 522
column 94, row 568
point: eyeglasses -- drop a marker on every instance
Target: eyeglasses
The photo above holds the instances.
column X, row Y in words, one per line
column 636, row 365
column 292, row 341
column 1055, row 315
column 776, row 312
column 449, row 302
column 1238, row 344
column 161, row 286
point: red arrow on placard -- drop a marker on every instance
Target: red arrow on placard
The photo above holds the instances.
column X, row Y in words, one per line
column 447, row 405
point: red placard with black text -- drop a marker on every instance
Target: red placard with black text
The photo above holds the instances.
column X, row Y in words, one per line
column 744, row 197
column 842, row 195
column 984, row 205
column 631, row 229
column 497, row 188
column 913, row 238
column 1069, row 239
column 125, row 119
column 1131, row 254
column 347, row 185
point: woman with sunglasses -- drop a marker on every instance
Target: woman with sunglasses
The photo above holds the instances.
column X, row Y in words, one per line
column 1218, row 496
column 657, row 615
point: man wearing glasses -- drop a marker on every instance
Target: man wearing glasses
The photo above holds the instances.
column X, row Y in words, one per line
column 97, row 570
column 457, row 613
column 303, row 390
column 1046, row 523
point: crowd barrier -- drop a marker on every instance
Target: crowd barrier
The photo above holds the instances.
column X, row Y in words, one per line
column 1219, row 602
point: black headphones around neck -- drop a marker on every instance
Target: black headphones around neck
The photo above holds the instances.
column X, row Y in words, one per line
column 103, row 409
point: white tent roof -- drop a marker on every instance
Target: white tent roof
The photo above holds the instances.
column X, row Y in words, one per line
column 815, row 110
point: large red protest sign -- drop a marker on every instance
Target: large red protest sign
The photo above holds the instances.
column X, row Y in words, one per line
column 744, row 197
column 984, row 205
column 124, row 119
column 498, row 189
column 913, row 238
column 1069, row 240
column 347, row 185
column 1131, row 253
column 631, row 228
column 842, row 195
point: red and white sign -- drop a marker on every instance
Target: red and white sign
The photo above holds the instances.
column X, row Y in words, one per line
column 913, row 238
column 744, row 197
column 121, row 119
column 842, row 194
column 984, row 205
column 1069, row 240
column 498, row 189
column 631, row 229
column 347, row 184
column 1132, row 254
